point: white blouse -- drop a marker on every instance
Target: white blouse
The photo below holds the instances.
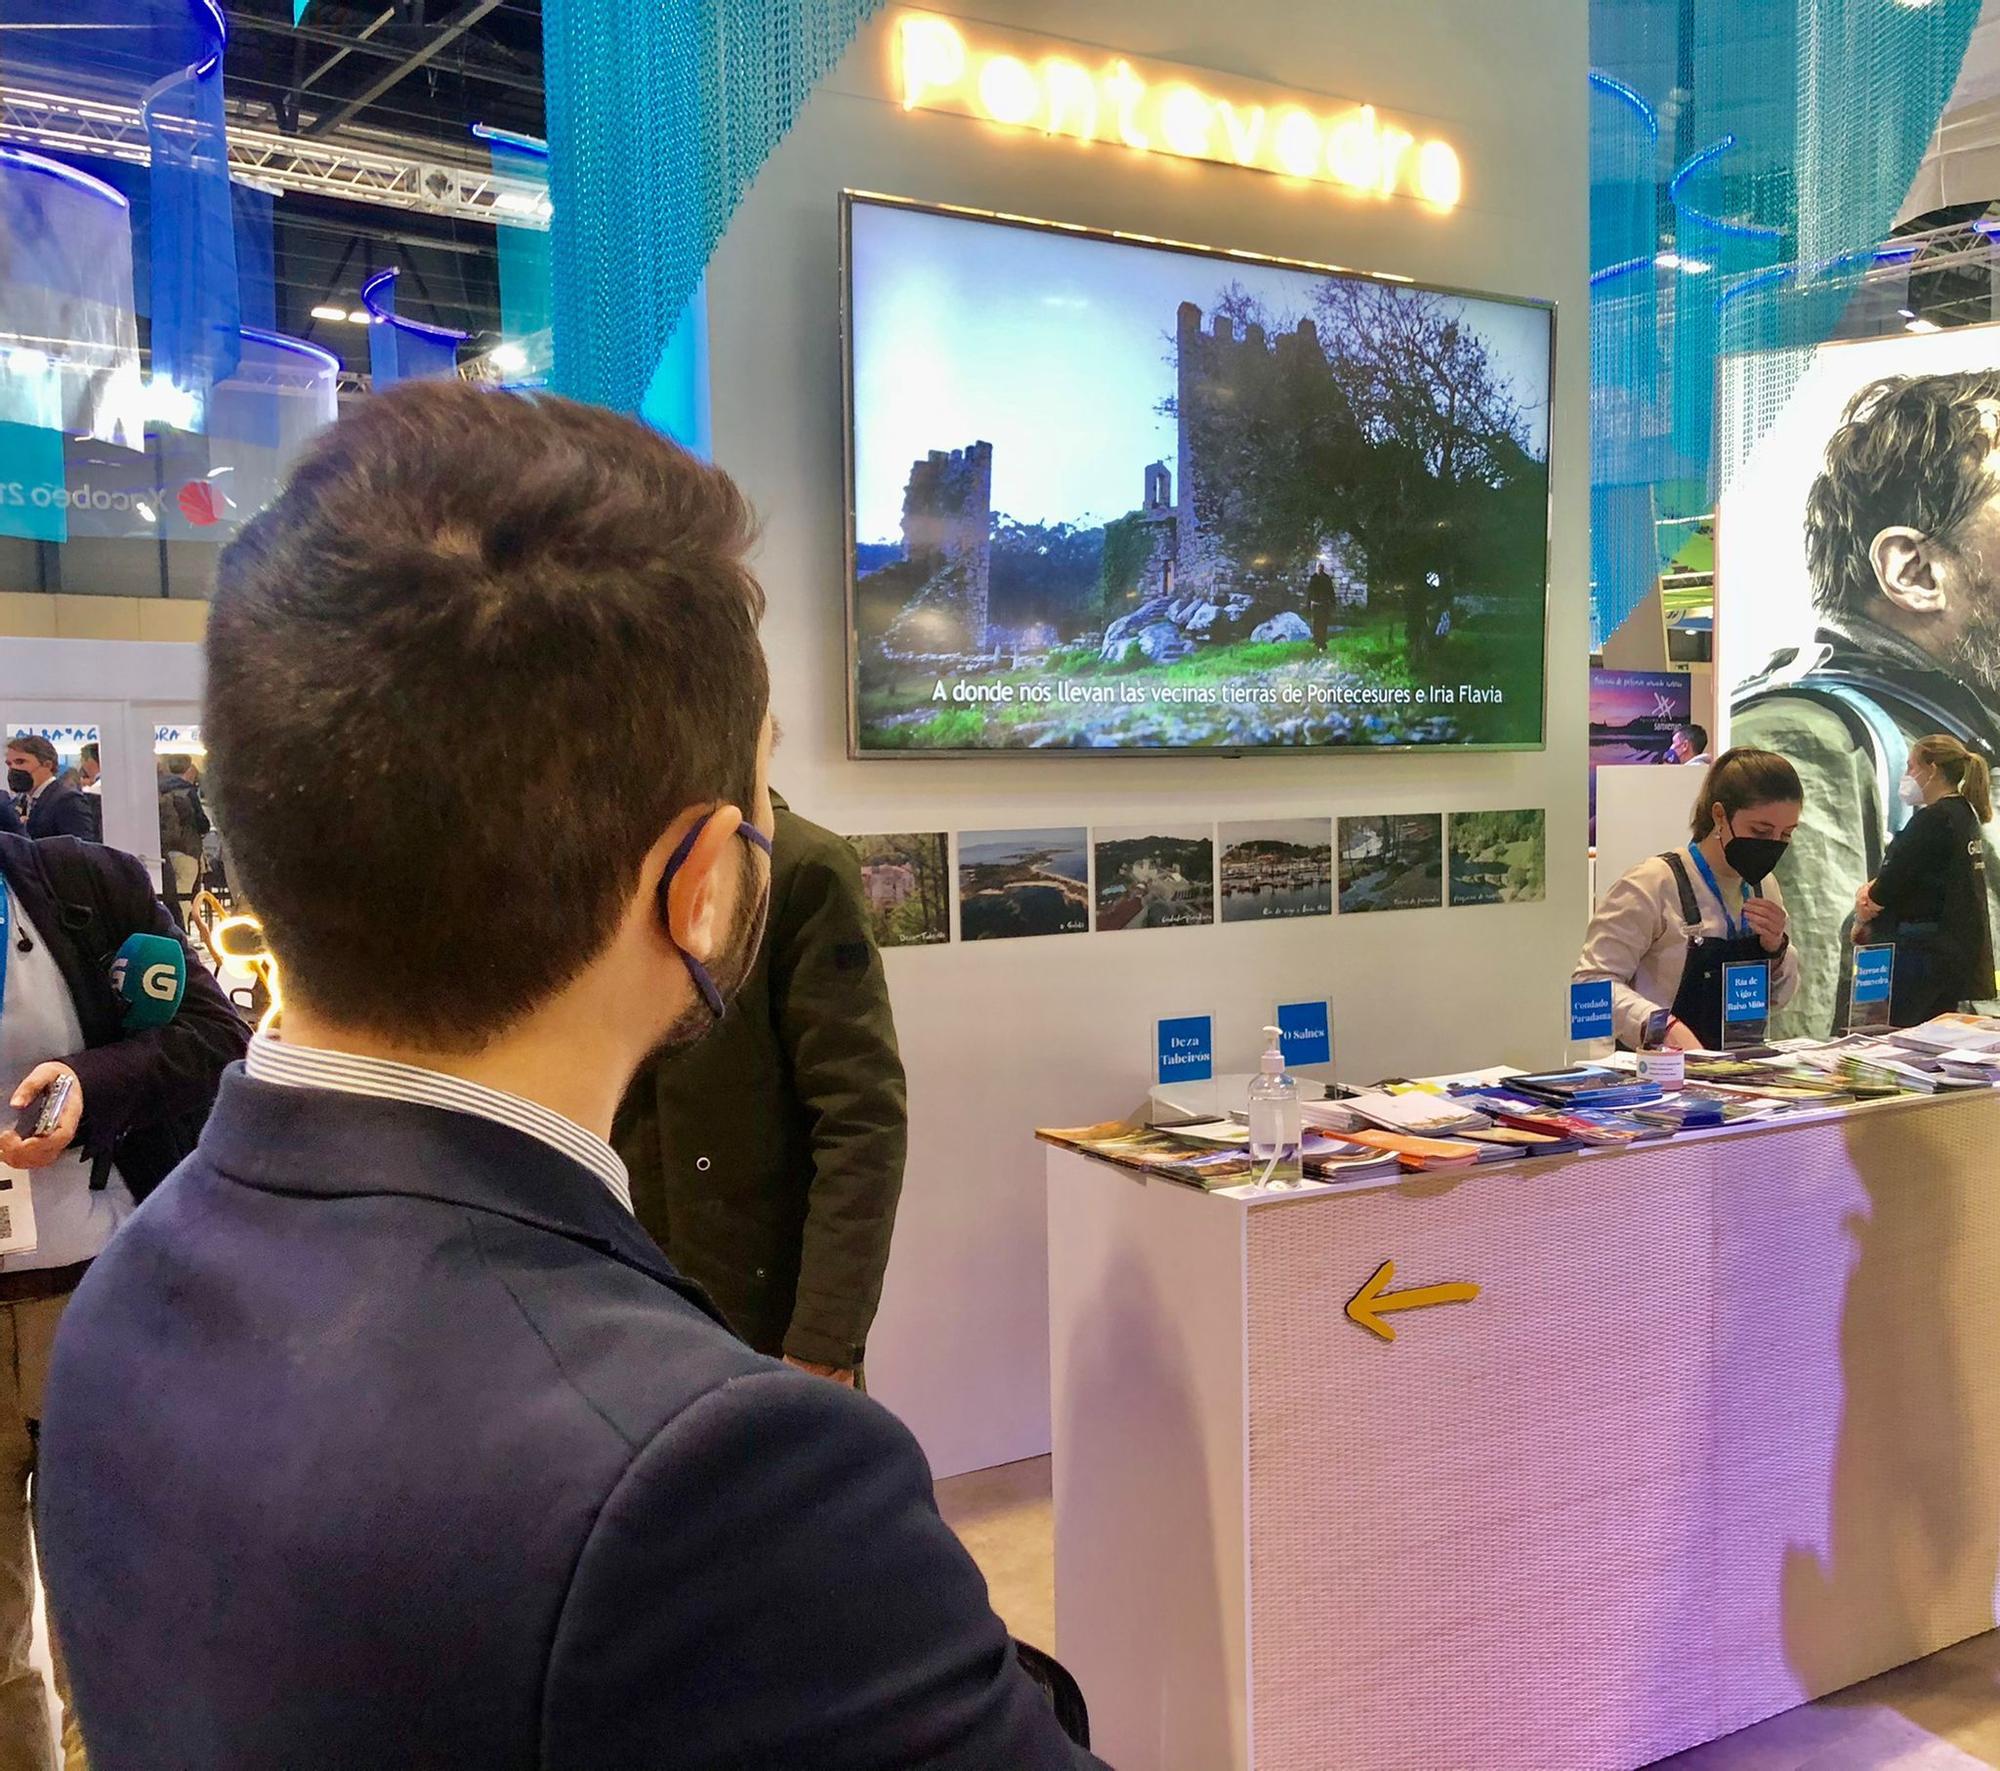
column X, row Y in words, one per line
column 1639, row 940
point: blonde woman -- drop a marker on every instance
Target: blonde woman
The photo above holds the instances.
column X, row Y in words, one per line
column 1929, row 899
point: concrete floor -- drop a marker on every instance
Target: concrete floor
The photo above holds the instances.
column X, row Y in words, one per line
column 1941, row 1714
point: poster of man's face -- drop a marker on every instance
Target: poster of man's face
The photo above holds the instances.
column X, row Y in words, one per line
column 1869, row 507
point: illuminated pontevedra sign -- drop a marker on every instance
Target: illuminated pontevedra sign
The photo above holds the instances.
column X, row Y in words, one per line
column 1002, row 77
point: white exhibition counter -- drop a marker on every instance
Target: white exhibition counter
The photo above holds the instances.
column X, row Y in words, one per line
column 1719, row 1434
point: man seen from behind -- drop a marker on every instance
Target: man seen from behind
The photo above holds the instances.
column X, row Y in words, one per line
column 385, row 1435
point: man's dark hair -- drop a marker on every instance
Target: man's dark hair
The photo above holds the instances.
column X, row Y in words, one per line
column 1910, row 452
column 178, row 764
column 90, row 754
column 35, row 745
column 1697, row 736
column 549, row 606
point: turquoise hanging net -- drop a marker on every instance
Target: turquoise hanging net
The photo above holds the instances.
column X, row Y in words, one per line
column 660, row 116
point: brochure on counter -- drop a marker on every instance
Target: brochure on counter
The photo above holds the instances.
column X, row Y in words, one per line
column 1404, row 1127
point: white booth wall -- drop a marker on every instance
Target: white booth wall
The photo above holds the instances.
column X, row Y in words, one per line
column 1002, row 1036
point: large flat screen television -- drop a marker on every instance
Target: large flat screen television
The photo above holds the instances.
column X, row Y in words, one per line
column 1111, row 494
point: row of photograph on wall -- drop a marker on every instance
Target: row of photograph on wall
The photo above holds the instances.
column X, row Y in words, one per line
column 1069, row 881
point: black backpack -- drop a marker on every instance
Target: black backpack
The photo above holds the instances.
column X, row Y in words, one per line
column 60, row 870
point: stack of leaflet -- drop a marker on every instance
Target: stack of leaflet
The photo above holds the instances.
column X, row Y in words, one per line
column 1159, row 1153
column 1333, row 1116
column 1750, row 1079
column 1415, row 1113
column 1343, row 1159
column 1571, row 1131
column 1875, row 1067
column 1421, row 1155
column 1587, row 1086
column 1960, row 1034
column 1210, row 1159
column 1699, row 1109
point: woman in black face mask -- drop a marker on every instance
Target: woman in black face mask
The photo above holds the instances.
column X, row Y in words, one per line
column 1664, row 933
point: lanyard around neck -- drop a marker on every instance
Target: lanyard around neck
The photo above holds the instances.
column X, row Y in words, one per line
column 1734, row 927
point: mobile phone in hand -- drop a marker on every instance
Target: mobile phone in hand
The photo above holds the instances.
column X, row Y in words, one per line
column 44, row 1113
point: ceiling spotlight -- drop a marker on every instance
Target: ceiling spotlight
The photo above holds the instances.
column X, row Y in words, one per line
column 1921, row 326
column 329, row 313
column 359, row 317
column 509, row 359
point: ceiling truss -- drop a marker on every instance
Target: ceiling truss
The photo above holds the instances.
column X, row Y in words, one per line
column 329, row 166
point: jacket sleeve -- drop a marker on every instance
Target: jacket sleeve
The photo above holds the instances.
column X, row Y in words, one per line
column 830, row 1007
column 1626, row 927
column 770, row 1584
column 1913, row 854
column 169, row 1072
column 10, row 819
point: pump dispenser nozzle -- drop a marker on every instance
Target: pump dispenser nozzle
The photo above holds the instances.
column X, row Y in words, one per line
column 1273, row 1061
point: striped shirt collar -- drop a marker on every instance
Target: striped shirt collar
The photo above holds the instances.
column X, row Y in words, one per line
column 299, row 1066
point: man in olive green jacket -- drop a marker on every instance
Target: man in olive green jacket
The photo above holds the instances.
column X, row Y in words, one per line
column 767, row 1159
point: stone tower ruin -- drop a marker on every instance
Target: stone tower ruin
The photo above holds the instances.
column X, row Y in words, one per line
column 948, row 536
column 1211, row 363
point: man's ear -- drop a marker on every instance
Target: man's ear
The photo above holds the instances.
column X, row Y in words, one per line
column 695, row 911
column 1908, row 568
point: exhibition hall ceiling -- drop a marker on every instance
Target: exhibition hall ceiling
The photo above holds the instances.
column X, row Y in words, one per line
column 426, row 70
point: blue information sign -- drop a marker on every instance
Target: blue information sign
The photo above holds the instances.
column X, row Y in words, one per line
column 1590, row 1010
column 1305, row 1032
column 1187, row 1049
column 1746, row 993
column 1874, row 972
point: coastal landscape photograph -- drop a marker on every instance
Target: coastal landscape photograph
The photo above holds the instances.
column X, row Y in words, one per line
column 1277, row 870
column 1149, row 878
column 1017, row 883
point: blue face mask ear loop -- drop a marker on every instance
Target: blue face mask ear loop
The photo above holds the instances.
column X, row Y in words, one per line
column 699, row 973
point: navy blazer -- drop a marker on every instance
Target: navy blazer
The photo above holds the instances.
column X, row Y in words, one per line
column 65, row 810
column 383, row 1436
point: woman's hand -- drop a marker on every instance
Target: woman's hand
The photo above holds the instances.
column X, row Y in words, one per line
column 1865, row 907
column 1770, row 922
column 1681, row 1038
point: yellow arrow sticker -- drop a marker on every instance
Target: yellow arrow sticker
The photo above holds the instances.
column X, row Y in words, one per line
column 1375, row 1300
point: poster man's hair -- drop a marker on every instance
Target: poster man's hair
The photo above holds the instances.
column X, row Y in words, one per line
column 1910, row 452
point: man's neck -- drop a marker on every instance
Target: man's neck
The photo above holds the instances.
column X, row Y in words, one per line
column 560, row 1062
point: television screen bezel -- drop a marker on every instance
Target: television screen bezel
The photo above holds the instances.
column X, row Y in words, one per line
column 851, row 198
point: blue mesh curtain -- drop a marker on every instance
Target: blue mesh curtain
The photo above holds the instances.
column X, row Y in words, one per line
column 256, row 257
column 659, row 118
column 166, row 56
column 69, row 340
column 524, row 245
column 197, row 310
column 1627, row 444
column 1788, row 134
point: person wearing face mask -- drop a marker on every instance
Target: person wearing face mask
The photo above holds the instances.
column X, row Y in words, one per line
column 384, row 1435
column 1930, row 899
column 783, row 1210
column 1664, row 933
column 50, row 805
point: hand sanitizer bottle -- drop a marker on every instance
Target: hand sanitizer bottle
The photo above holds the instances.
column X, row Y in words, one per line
column 1274, row 1120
